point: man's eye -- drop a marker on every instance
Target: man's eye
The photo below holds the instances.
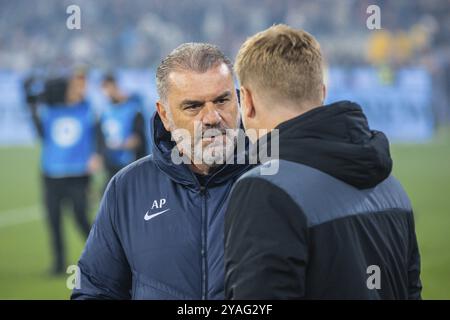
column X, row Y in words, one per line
column 222, row 101
column 192, row 107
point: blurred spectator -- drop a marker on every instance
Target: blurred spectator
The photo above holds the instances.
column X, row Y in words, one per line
column 66, row 125
column 116, row 33
column 122, row 134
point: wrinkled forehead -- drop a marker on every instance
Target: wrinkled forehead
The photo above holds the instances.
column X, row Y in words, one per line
column 192, row 85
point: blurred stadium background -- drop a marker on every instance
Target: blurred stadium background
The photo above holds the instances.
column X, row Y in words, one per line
column 400, row 74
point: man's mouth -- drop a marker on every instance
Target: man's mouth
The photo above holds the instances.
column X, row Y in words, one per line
column 211, row 135
column 211, row 138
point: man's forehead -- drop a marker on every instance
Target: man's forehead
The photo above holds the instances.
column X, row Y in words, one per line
column 200, row 86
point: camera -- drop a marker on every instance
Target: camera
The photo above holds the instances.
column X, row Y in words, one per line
column 51, row 92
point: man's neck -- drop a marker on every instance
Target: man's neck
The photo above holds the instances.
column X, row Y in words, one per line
column 290, row 113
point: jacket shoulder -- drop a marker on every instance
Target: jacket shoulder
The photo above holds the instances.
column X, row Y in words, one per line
column 139, row 168
column 323, row 197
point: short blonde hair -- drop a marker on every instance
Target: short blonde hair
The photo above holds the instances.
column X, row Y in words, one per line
column 283, row 63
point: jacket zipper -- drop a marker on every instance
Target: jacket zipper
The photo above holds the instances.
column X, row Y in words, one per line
column 203, row 193
column 204, row 233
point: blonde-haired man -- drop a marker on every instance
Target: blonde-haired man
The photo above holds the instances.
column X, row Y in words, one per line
column 332, row 223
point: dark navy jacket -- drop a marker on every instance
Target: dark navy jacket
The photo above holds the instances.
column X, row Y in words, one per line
column 158, row 233
column 332, row 223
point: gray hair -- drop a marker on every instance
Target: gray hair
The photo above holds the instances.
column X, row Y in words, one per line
column 198, row 57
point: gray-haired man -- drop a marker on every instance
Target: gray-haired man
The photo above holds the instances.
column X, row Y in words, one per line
column 159, row 231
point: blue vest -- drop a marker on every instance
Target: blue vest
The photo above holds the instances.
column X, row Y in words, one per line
column 117, row 126
column 68, row 140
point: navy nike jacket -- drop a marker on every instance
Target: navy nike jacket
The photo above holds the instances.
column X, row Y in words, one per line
column 159, row 232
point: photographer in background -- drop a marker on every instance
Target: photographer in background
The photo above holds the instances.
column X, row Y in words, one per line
column 66, row 125
column 122, row 138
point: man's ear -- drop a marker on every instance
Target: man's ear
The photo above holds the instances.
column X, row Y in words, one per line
column 247, row 103
column 324, row 93
column 162, row 112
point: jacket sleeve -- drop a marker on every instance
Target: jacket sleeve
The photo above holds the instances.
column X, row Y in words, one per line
column 266, row 248
column 104, row 269
column 414, row 282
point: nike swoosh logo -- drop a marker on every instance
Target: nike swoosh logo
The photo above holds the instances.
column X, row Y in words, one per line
column 151, row 216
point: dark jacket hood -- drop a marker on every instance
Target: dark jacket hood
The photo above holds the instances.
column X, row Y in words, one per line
column 336, row 139
column 181, row 173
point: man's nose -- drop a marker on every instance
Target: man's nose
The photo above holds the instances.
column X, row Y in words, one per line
column 211, row 115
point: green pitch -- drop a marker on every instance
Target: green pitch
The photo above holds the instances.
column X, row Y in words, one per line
column 423, row 169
